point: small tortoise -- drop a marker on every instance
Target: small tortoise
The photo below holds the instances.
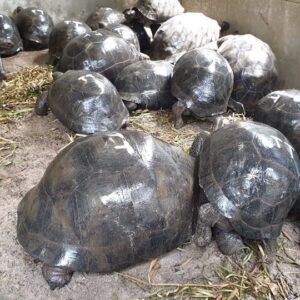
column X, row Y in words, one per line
column 254, row 67
column 154, row 11
column 103, row 17
column 183, row 33
column 100, row 51
column 107, row 202
column 61, row 34
column 126, row 33
column 281, row 110
column 85, row 102
column 202, row 83
column 250, row 174
column 146, row 84
column 35, row 26
column 10, row 40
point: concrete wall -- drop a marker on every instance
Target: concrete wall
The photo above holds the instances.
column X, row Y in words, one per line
column 277, row 22
column 64, row 9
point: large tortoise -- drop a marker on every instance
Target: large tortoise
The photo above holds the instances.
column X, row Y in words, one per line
column 102, row 52
column 202, row 83
column 250, row 174
column 154, row 11
column 10, row 40
column 103, row 17
column 281, row 110
column 183, row 33
column 35, row 26
column 254, row 66
column 146, row 84
column 107, row 202
column 85, row 102
column 61, row 34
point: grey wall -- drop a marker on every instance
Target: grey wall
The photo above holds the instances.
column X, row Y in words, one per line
column 62, row 9
column 275, row 21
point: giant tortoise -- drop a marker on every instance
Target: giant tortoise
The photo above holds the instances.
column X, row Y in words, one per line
column 107, row 202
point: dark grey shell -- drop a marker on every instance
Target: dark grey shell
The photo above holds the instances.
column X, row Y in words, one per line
column 251, row 174
column 62, row 33
column 254, row 67
column 203, row 82
column 91, row 212
column 158, row 11
column 281, row 110
column 100, row 52
column 126, row 33
column 35, row 26
column 86, row 102
column 183, row 33
column 103, row 17
column 147, row 83
column 10, row 40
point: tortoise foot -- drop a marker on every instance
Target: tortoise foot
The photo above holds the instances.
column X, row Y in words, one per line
column 228, row 242
column 178, row 109
column 203, row 235
column 56, row 277
column 41, row 105
column 131, row 106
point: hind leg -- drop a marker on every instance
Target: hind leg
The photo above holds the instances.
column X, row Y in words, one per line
column 178, row 109
column 56, row 277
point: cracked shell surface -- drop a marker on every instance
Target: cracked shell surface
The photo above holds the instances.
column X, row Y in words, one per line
column 250, row 173
column 108, row 201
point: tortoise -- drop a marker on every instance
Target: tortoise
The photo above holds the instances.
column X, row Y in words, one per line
column 202, row 83
column 102, row 52
column 254, row 66
column 154, row 11
column 143, row 33
column 126, row 33
column 89, row 102
column 35, row 26
column 10, row 40
column 103, row 17
column 250, row 174
column 92, row 213
column 183, row 33
column 281, row 110
column 146, row 84
column 61, row 34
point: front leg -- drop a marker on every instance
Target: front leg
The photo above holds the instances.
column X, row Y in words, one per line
column 178, row 109
column 42, row 105
column 207, row 218
column 56, row 277
column 2, row 71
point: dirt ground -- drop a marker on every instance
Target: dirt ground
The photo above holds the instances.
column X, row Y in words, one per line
column 38, row 140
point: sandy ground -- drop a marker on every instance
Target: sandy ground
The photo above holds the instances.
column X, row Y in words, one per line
column 38, row 140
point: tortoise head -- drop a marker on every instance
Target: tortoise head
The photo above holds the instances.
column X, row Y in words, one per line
column 6, row 44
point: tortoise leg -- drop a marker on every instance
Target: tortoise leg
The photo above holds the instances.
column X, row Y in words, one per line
column 56, row 277
column 41, row 105
column 2, row 71
column 237, row 107
column 228, row 241
column 178, row 109
column 207, row 218
column 270, row 249
column 131, row 106
column 198, row 144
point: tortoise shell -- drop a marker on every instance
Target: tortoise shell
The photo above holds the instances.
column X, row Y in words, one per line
column 251, row 174
column 103, row 17
column 147, row 83
column 126, row 33
column 86, row 102
column 281, row 110
column 92, row 213
column 183, row 33
column 158, row 11
column 254, row 67
column 62, row 33
column 203, row 82
column 35, row 26
column 10, row 40
column 102, row 52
